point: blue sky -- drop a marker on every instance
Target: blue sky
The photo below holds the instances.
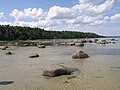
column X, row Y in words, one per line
column 98, row 16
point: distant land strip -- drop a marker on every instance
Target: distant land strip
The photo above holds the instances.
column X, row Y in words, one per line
column 8, row 32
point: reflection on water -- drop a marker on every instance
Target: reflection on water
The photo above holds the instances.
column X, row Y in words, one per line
column 99, row 72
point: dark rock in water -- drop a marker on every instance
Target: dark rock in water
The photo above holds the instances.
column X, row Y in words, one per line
column 39, row 43
column 89, row 41
column 104, row 42
column 79, row 54
column 95, row 40
column 6, row 82
column 71, row 43
column 83, row 41
column 113, row 39
column 26, row 45
column 79, row 44
column 55, row 70
column 4, row 47
column 41, row 46
column 113, row 42
column 33, row 55
column 9, row 53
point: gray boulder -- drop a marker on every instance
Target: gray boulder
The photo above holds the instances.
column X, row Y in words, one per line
column 79, row 55
column 55, row 70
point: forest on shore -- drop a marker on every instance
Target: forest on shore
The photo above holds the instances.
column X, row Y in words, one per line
column 8, row 32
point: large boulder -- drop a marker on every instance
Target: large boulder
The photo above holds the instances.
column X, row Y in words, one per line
column 33, row 55
column 55, row 70
column 41, row 46
column 79, row 54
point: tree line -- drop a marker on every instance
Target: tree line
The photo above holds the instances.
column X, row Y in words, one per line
column 8, row 32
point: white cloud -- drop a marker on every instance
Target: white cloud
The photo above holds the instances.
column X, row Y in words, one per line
column 87, row 20
column 115, row 17
column 84, row 14
column 107, row 5
column 76, row 11
column 17, row 14
column 57, row 12
column 87, row 1
column 28, row 13
column 41, row 23
column 1, row 15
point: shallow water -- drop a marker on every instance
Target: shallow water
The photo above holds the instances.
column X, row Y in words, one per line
column 99, row 72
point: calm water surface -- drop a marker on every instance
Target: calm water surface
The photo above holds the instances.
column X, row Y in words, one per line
column 99, row 72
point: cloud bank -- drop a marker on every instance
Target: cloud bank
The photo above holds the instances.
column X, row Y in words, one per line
column 33, row 13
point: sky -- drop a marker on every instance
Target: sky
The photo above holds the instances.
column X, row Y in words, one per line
column 97, row 16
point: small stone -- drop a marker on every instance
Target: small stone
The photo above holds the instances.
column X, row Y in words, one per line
column 41, row 46
column 33, row 56
column 8, row 53
column 79, row 44
column 66, row 82
column 6, row 82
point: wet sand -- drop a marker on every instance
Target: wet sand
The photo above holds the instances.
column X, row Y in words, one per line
column 99, row 72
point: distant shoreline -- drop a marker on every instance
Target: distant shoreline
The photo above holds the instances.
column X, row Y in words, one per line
column 9, row 33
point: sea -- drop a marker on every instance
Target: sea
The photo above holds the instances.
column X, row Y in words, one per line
column 101, row 71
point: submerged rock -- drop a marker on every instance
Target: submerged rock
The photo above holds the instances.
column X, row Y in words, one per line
column 71, row 43
column 114, row 42
column 79, row 54
column 55, row 70
column 6, row 82
column 104, row 42
column 26, row 45
column 95, row 40
column 33, row 55
column 3, row 47
column 83, row 41
column 89, row 41
column 41, row 46
column 8, row 53
column 79, row 44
